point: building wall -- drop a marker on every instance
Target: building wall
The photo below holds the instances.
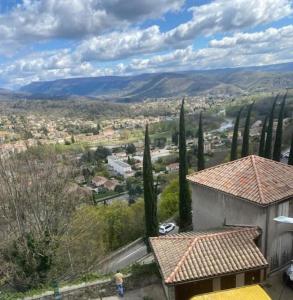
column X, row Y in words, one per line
column 114, row 163
column 280, row 237
column 186, row 290
column 212, row 209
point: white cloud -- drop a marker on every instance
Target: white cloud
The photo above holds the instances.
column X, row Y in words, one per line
column 108, row 30
column 218, row 16
column 241, row 49
column 33, row 20
column 226, row 15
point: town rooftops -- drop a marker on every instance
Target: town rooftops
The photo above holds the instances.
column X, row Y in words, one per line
column 196, row 256
column 257, row 179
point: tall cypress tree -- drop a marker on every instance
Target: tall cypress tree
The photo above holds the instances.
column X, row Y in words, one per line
column 245, row 143
column 290, row 160
column 269, row 139
column 150, row 198
column 185, row 218
column 200, row 146
column 234, row 145
column 279, row 131
column 262, row 141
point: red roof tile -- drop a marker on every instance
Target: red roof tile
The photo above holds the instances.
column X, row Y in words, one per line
column 253, row 178
column 196, row 256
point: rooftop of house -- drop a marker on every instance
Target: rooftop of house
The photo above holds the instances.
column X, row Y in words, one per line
column 200, row 255
column 99, row 179
column 253, row 178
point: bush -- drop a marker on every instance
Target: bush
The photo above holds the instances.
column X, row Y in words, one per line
column 169, row 201
column 94, row 231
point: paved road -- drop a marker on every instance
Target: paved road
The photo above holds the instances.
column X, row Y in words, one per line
column 128, row 257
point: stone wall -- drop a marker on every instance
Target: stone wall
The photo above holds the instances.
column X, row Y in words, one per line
column 93, row 290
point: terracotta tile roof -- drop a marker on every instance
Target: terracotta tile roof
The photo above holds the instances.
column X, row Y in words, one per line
column 196, row 256
column 257, row 179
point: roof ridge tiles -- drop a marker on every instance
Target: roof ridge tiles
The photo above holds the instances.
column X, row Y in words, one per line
column 252, row 178
column 257, row 179
column 203, row 237
column 181, row 261
column 220, row 165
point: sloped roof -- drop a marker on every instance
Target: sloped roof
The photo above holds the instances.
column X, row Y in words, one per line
column 196, row 256
column 257, row 179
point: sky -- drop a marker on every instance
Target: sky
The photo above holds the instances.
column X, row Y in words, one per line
column 52, row 39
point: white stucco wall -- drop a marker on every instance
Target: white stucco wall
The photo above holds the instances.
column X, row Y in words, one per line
column 212, row 209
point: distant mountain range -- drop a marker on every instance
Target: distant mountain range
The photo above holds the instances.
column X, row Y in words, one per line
column 232, row 81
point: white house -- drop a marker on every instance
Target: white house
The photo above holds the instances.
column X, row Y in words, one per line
column 119, row 166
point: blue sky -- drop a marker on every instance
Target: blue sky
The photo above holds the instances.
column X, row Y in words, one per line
column 51, row 39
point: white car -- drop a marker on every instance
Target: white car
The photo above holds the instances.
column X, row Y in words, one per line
column 166, row 227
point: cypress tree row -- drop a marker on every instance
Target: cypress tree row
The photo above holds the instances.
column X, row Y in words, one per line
column 262, row 141
column 234, row 145
column 150, row 198
column 268, row 145
column 245, row 143
column 290, row 160
column 200, row 146
column 185, row 218
column 279, row 131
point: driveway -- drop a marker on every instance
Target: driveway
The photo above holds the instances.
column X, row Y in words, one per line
column 130, row 256
column 276, row 289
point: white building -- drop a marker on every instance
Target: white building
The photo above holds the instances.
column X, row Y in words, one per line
column 119, row 166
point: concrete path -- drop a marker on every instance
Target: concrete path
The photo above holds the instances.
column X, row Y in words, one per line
column 154, row 292
column 275, row 287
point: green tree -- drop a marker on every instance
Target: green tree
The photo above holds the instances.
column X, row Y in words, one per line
column 245, row 143
column 200, row 147
column 269, row 139
column 290, row 159
column 102, row 153
column 263, row 138
column 234, row 145
column 185, row 218
column 150, row 197
column 279, row 132
column 175, row 136
column 168, row 205
column 130, row 149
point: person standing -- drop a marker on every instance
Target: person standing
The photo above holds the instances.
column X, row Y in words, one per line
column 119, row 283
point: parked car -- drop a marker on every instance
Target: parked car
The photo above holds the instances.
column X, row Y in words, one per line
column 166, row 227
column 288, row 275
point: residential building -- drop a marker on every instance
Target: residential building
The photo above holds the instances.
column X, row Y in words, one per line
column 99, row 181
column 249, row 191
column 207, row 147
column 111, row 184
column 200, row 262
column 119, row 166
column 238, row 235
column 172, row 167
